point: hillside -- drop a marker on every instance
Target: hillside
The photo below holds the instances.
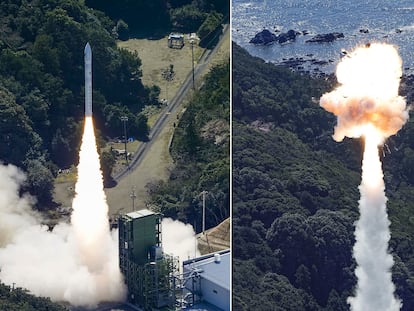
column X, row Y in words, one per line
column 200, row 151
column 215, row 239
column 41, row 86
column 295, row 194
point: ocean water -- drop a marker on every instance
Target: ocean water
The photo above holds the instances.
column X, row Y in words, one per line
column 382, row 18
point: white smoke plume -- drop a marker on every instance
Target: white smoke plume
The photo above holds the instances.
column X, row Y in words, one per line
column 179, row 239
column 76, row 262
column 367, row 104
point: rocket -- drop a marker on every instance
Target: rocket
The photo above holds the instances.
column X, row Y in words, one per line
column 88, row 80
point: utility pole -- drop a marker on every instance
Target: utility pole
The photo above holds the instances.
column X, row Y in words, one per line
column 124, row 119
column 133, row 197
column 192, row 59
column 204, row 211
column 166, row 91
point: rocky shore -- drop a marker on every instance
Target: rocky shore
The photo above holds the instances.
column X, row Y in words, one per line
column 266, row 37
column 308, row 63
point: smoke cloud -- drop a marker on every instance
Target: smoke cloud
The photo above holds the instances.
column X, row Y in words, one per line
column 179, row 239
column 369, row 80
column 76, row 262
column 367, row 104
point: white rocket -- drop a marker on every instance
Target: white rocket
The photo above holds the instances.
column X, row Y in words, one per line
column 88, row 80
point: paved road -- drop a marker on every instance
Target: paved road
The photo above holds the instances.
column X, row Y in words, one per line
column 172, row 107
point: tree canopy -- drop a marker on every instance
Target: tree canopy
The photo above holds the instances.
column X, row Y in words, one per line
column 162, row 16
column 19, row 299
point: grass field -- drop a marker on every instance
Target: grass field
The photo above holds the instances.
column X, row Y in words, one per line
column 156, row 56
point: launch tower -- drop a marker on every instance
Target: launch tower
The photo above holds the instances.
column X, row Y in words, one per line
column 149, row 273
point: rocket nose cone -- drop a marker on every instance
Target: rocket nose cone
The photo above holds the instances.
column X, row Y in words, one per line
column 87, row 48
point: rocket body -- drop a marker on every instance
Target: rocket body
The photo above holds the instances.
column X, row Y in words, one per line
column 88, row 80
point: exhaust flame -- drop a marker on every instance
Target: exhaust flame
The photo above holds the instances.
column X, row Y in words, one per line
column 367, row 104
column 77, row 263
column 90, row 210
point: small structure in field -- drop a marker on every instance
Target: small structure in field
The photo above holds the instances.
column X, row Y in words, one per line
column 176, row 41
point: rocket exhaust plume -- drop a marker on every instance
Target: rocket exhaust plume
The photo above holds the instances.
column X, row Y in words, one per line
column 367, row 104
column 76, row 262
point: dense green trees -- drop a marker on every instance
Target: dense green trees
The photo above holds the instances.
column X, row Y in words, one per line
column 18, row 139
column 140, row 15
column 200, row 149
column 210, row 29
column 295, row 194
column 20, row 299
column 159, row 17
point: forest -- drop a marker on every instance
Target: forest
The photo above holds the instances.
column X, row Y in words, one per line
column 42, row 77
column 159, row 17
column 200, row 150
column 295, row 194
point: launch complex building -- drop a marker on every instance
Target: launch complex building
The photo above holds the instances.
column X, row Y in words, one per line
column 154, row 279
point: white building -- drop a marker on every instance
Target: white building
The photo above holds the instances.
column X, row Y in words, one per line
column 207, row 278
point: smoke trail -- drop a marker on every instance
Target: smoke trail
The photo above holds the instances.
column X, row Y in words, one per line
column 77, row 263
column 367, row 104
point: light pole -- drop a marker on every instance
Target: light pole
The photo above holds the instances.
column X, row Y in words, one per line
column 124, row 119
column 133, row 197
column 192, row 59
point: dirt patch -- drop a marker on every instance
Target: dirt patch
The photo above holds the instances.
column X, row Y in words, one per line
column 64, row 193
column 217, row 131
column 215, row 239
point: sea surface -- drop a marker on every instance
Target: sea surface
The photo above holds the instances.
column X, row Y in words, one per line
column 386, row 21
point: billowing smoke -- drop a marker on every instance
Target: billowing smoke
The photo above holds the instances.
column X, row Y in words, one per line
column 179, row 239
column 369, row 79
column 367, row 104
column 76, row 262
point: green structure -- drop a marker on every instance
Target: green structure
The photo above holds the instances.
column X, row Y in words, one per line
column 149, row 273
column 141, row 235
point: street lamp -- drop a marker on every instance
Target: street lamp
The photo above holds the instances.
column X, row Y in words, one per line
column 124, row 119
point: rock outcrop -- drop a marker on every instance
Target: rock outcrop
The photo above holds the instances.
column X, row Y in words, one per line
column 264, row 37
column 325, row 38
